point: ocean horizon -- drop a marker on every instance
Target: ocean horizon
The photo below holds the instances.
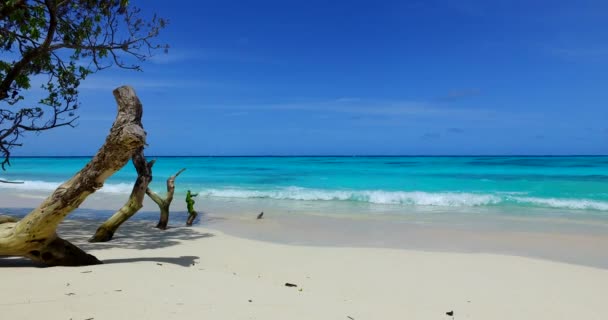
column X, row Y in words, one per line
column 342, row 156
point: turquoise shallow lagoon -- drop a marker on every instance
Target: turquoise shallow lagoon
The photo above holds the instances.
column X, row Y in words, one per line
column 573, row 183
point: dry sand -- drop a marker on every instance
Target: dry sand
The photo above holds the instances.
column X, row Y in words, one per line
column 199, row 273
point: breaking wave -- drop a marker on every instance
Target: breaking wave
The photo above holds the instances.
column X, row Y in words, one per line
column 50, row 186
column 371, row 196
column 413, row 198
column 584, row 204
column 404, row 198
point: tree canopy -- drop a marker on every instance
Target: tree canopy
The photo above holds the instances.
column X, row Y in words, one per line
column 55, row 44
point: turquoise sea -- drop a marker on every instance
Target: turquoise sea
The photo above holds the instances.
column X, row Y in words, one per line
column 543, row 207
column 576, row 184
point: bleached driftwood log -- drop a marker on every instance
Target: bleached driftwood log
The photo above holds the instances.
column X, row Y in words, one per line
column 35, row 235
column 106, row 231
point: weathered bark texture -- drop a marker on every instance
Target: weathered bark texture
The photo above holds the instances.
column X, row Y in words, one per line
column 35, row 235
column 106, row 231
column 165, row 203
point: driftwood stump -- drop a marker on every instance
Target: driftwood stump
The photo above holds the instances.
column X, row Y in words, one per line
column 191, row 217
column 190, row 205
column 164, row 203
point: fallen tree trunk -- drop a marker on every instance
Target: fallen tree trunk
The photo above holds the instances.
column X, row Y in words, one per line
column 165, row 203
column 35, row 235
column 106, row 231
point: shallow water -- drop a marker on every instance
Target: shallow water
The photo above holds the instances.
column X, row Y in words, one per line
column 505, row 184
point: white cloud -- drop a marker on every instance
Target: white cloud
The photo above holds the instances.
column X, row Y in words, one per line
column 596, row 52
column 110, row 83
column 361, row 108
column 178, row 55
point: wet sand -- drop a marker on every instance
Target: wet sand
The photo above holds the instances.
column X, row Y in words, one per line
column 546, row 235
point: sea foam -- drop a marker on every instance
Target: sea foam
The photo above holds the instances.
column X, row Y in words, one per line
column 405, row 198
column 370, row 196
column 585, row 204
column 35, row 185
column 409, row 198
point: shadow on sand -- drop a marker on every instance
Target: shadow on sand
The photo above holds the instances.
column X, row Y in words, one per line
column 137, row 234
column 184, row 261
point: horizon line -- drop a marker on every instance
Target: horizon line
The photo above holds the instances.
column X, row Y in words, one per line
column 334, row 156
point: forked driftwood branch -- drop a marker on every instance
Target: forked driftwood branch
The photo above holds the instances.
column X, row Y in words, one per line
column 164, row 203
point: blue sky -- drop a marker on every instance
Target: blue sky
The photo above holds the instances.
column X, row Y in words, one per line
column 362, row 77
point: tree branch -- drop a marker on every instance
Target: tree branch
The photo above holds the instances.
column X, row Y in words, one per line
column 17, row 69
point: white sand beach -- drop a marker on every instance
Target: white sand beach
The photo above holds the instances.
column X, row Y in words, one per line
column 201, row 273
column 339, row 160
